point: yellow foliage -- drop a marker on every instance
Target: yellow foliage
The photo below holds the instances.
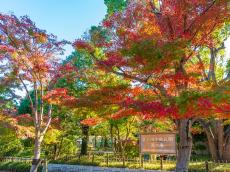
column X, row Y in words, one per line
column 150, row 29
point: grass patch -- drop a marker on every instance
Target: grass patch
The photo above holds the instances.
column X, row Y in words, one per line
column 213, row 167
column 169, row 165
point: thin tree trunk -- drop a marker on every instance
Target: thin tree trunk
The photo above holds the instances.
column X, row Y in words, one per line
column 85, row 137
column 37, row 153
column 119, row 141
column 111, row 136
column 185, row 145
column 55, row 151
column 106, row 144
column 115, row 145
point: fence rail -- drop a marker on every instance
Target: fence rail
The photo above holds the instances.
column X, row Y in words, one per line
column 15, row 159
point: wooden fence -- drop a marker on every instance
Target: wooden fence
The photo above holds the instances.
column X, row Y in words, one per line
column 15, row 159
column 108, row 159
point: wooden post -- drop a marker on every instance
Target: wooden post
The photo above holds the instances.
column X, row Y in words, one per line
column 161, row 162
column 107, row 159
column 206, row 166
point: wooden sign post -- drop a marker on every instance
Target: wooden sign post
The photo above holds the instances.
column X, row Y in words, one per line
column 159, row 144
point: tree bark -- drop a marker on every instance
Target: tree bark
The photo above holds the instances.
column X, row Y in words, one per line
column 37, row 152
column 111, row 136
column 220, row 136
column 216, row 139
column 226, row 152
column 211, row 143
column 55, row 151
column 212, row 74
column 185, row 145
column 85, row 138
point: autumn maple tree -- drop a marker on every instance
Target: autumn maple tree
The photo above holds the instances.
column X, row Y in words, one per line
column 215, row 72
column 30, row 55
column 154, row 43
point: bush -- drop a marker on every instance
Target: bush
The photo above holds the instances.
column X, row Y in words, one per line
column 28, row 142
column 131, row 150
column 10, row 145
column 18, row 166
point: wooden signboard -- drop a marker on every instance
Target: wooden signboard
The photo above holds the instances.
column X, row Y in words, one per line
column 158, row 143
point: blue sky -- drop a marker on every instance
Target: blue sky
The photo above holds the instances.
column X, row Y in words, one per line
column 68, row 19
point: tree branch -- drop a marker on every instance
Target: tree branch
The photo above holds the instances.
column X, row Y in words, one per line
column 202, row 66
column 211, row 72
column 191, row 25
column 48, row 121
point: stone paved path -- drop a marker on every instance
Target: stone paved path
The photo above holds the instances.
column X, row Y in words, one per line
column 79, row 168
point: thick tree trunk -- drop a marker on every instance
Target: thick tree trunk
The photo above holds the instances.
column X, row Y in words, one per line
column 211, row 144
column 185, row 145
column 37, row 153
column 220, row 137
column 215, row 136
column 226, row 152
column 85, row 138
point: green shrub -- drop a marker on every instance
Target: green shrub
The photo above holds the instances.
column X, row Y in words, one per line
column 19, row 166
column 131, row 150
column 10, row 145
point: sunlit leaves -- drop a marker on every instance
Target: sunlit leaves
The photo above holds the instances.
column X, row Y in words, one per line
column 156, row 44
column 59, row 96
column 92, row 121
column 28, row 49
column 83, row 45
